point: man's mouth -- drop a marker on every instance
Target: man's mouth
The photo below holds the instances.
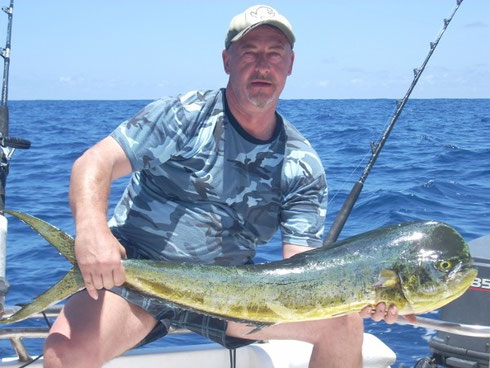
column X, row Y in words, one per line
column 261, row 83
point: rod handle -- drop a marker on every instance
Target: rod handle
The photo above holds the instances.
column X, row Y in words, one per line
column 4, row 120
column 343, row 214
column 16, row 143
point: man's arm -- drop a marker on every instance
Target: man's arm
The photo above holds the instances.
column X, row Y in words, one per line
column 289, row 250
column 98, row 253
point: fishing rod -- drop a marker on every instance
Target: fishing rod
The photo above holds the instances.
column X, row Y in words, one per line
column 376, row 147
column 7, row 148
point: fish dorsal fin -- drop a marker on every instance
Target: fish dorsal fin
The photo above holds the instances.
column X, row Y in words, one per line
column 62, row 241
column 387, row 279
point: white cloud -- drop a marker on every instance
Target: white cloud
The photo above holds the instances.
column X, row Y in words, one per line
column 356, row 81
column 476, row 25
column 429, row 78
column 64, row 79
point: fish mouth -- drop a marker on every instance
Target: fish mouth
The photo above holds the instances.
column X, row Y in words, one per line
column 459, row 284
column 461, row 277
column 469, row 272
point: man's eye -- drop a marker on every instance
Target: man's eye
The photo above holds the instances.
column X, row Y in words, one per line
column 275, row 56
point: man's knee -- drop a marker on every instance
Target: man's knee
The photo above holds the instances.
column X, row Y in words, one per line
column 89, row 333
column 353, row 323
column 59, row 351
column 341, row 329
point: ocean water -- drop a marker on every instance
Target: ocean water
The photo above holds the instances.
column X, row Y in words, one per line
column 435, row 165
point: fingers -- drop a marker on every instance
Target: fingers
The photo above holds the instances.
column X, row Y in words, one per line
column 93, row 283
column 91, row 290
column 96, row 281
column 391, row 315
column 366, row 311
column 380, row 312
column 118, row 276
column 106, row 278
column 123, row 252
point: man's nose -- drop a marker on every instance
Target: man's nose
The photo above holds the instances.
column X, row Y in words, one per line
column 261, row 63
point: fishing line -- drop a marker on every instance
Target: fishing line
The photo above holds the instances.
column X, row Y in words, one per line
column 32, row 361
column 361, row 161
column 347, row 180
column 356, row 169
column 376, row 147
column 232, row 358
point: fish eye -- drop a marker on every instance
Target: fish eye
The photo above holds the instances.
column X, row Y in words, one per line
column 445, row 265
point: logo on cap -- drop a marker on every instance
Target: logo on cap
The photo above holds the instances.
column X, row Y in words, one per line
column 263, row 12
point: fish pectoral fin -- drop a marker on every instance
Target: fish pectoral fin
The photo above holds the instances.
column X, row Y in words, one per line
column 387, row 279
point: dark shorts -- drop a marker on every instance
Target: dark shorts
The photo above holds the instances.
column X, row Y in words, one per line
column 169, row 316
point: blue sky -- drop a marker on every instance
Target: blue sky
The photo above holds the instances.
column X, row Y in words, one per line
column 144, row 49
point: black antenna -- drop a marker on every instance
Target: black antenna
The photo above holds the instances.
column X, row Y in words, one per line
column 376, row 147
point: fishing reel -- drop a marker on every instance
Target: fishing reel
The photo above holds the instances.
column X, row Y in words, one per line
column 12, row 142
column 7, row 148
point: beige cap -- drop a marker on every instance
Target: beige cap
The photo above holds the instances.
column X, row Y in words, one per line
column 255, row 16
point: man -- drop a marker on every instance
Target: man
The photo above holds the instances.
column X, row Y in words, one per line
column 215, row 174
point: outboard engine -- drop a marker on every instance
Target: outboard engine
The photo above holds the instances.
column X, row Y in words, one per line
column 472, row 308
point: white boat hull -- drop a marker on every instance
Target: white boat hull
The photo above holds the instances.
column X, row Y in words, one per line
column 272, row 354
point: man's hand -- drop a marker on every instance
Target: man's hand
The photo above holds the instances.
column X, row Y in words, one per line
column 99, row 256
column 380, row 312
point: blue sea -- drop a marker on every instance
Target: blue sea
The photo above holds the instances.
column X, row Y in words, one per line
column 435, row 165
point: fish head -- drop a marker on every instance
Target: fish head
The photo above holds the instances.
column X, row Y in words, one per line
column 435, row 267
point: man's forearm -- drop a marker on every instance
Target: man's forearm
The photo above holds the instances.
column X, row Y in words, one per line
column 289, row 250
column 91, row 179
column 89, row 189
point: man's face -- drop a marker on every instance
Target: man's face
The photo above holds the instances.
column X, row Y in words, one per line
column 258, row 65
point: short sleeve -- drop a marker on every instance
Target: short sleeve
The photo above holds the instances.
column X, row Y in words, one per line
column 154, row 134
column 304, row 210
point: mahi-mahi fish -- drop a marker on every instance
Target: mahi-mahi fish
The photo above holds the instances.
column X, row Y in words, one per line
column 417, row 266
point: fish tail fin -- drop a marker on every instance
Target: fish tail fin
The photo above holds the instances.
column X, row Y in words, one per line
column 62, row 241
column 68, row 285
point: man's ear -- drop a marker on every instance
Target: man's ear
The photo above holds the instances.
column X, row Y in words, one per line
column 292, row 62
column 226, row 61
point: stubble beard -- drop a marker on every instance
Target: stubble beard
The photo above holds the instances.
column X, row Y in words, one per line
column 260, row 100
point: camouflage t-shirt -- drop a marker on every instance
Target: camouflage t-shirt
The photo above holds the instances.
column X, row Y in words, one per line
column 204, row 190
